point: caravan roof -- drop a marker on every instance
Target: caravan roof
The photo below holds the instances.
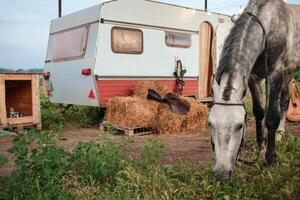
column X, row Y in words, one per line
column 146, row 13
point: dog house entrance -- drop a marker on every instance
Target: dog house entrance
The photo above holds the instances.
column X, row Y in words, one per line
column 18, row 96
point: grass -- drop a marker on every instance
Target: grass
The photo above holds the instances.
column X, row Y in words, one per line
column 101, row 170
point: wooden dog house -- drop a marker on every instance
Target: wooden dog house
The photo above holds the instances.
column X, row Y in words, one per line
column 19, row 101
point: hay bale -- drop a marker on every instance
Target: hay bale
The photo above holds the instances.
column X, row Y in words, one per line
column 167, row 122
column 141, row 88
column 137, row 111
column 131, row 112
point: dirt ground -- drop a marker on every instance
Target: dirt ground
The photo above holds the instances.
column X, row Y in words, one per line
column 188, row 148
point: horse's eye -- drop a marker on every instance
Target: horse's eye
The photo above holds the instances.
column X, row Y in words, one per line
column 239, row 127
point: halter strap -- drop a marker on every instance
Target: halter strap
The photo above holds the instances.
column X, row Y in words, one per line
column 228, row 104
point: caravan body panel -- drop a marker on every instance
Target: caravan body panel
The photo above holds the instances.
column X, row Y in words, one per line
column 68, row 84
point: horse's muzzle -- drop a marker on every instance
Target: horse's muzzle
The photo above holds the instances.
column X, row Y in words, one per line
column 223, row 175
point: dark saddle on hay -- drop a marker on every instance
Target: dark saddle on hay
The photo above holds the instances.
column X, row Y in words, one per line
column 177, row 105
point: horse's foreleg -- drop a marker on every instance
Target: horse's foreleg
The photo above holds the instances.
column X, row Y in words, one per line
column 273, row 116
column 284, row 102
column 257, row 108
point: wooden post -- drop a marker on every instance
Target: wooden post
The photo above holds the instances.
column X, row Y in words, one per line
column 3, row 114
column 35, row 99
column 206, row 34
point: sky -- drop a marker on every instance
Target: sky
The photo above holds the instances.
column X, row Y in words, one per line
column 24, row 25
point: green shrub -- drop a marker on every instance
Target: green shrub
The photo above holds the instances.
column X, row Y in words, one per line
column 84, row 116
column 101, row 161
column 39, row 172
column 52, row 118
column 55, row 117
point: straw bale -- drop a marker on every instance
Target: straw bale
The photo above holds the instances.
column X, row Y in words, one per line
column 141, row 88
column 131, row 112
column 167, row 122
column 137, row 111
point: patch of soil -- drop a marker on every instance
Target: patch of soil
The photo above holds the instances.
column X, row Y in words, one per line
column 194, row 148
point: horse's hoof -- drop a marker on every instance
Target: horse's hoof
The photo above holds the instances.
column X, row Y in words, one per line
column 271, row 158
column 279, row 135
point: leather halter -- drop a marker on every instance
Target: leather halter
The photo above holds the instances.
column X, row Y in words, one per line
column 266, row 89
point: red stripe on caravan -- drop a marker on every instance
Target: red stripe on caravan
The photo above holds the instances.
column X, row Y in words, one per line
column 111, row 88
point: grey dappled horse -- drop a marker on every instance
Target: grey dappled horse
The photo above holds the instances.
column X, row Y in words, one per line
column 264, row 42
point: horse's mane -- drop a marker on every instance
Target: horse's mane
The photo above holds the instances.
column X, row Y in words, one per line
column 230, row 54
column 232, row 47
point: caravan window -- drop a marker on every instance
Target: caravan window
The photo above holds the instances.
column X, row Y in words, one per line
column 180, row 40
column 69, row 45
column 126, row 40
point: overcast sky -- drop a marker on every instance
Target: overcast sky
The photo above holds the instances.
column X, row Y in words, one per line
column 24, row 25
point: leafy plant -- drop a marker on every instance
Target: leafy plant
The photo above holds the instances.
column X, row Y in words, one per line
column 55, row 117
column 100, row 161
column 84, row 116
column 39, row 170
column 52, row 118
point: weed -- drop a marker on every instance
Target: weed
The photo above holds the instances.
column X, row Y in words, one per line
column 84, row 116
column 152, row 152
column 55, row 117
column 52, row 118
column 100, row 161
column 111, row 129
column 39, row 170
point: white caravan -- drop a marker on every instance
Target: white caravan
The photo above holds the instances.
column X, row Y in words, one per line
column 102, row 51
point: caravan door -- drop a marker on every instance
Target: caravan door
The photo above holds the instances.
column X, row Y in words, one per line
column 70, row 66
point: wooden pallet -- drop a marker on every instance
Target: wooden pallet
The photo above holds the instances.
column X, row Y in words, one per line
column 128, row 132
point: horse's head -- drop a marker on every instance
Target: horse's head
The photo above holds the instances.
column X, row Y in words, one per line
column 226, row 120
